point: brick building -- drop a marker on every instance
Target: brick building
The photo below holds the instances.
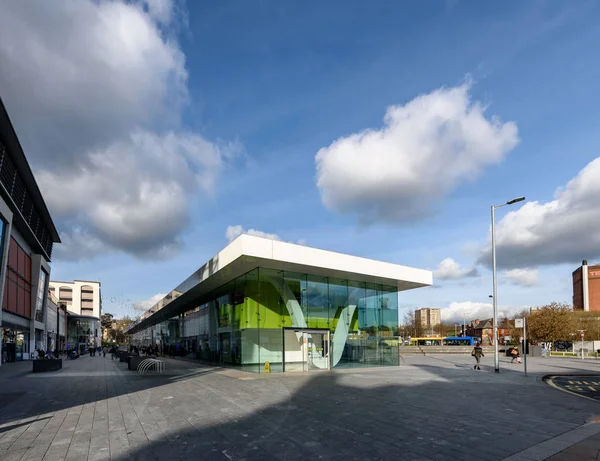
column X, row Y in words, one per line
column 484, row 331
column 586, row 287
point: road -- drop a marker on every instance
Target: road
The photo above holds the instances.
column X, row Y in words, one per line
column 586, row 386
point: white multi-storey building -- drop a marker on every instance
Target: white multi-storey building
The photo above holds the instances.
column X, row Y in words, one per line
column 83, row 300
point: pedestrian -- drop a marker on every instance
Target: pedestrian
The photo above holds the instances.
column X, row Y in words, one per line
column 477, row 353
column 104, row 352
column 515, row 355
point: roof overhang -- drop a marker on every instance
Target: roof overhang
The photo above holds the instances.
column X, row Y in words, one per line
column 8, row 134
column 249, row 252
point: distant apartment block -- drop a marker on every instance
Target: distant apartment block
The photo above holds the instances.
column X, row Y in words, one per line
column 428, row 317
column 83, row 300
column 586, row 287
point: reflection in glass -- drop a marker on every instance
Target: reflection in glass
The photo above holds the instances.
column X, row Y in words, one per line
column 279, row 318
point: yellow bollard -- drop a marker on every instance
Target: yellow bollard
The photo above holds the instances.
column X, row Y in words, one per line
column 267, row 367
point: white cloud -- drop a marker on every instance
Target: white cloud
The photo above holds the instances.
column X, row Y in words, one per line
column 425, row 149
column 77, row 244
column 133, row 201
column 555, row 232
column 143, row 306
column 96, row 90
column 523, row 277
column 233, row 232
column 449, row 269
column 474, row 310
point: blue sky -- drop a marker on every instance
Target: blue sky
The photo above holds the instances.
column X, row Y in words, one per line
column 221, row 108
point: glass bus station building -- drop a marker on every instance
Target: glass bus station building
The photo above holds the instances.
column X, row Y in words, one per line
column 262, row 304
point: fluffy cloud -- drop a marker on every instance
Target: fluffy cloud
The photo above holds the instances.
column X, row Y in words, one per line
column 449, row 269
column 143, row 306
column 473, row 310
column 555, row 232
column 523, row 277
column 233, row 232
column 425, row 149
column 133, row 201
column 95, row 90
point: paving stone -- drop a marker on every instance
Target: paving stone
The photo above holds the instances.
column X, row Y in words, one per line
column 429, row 409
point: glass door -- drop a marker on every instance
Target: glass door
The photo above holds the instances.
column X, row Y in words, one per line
column 317, row 351
column 306, row 350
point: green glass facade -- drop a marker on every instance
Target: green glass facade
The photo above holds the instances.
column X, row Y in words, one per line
column 260, row 317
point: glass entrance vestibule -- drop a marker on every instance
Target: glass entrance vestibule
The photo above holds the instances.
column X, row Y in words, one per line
column 291, row 320
column 306, row 350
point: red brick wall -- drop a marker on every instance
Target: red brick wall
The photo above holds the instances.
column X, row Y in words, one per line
column 594, row 287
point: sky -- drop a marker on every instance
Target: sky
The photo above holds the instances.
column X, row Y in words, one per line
column 159, row 130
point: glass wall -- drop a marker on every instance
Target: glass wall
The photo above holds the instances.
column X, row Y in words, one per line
column 82, row 333
column 247, row 320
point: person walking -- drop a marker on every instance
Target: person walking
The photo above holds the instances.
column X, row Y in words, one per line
column 477, row 353
column 515, row 355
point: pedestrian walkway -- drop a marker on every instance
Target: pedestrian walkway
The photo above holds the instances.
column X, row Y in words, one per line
column 427, row 409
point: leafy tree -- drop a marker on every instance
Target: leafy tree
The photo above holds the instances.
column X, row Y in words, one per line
column 588, row 321
column 106, row 321
column 554, row 322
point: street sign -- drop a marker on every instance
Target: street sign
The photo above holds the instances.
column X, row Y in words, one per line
column 518, row 323
column 582, row 335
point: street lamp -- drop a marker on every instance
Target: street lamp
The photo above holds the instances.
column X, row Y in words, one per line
column 495, row 294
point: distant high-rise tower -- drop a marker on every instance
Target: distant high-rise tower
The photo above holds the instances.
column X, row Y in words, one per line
column 428, row 317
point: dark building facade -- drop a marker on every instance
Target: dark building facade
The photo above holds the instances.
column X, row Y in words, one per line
column 27, row 235
column 586, row 287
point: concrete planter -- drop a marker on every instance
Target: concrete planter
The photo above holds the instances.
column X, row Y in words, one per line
column 134, row 361
column 42, row 365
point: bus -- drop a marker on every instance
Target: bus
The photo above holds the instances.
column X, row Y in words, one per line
column 460, row 341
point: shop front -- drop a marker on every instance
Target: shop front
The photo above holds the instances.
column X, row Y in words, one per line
column 15, row 343
column 82, row 333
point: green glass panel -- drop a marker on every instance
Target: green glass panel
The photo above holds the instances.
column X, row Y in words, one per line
column 318, row 302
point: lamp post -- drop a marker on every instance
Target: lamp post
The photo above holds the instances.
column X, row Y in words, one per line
column 495, row 293
column 465, row 323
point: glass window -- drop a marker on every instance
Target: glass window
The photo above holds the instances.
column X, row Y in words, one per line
column 270, row 318
column 318, row 302
column 2, row 231
column 389, row 326
column 39, row 302
column 295, row 303
column 338, row 302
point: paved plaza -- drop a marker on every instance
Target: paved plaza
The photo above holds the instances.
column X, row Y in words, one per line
column 430, row 408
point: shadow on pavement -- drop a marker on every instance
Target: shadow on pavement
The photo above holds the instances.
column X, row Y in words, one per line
column 363, row 414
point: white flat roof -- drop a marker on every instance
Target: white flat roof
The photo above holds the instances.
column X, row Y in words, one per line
column 248, row 252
